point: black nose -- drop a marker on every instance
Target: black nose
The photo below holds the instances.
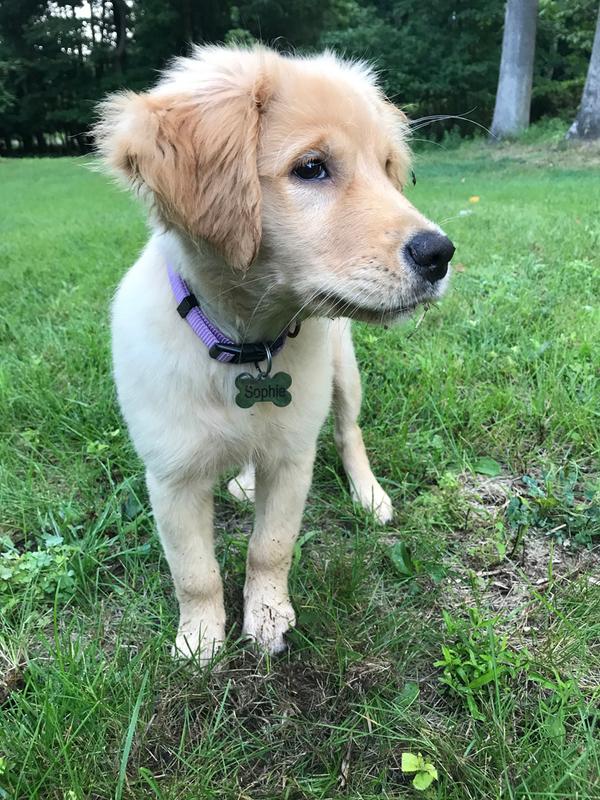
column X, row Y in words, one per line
column 429, row 254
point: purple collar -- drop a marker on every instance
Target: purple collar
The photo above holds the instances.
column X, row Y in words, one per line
column 219, row 346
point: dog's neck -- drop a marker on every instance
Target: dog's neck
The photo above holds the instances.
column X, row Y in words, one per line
column 245, row 307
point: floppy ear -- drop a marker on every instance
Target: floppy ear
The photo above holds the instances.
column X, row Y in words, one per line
column 195, row 156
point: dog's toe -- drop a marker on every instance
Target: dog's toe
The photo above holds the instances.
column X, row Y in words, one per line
column 198, row 643
column 266, row 621
column 384, row 511
column 374, row 500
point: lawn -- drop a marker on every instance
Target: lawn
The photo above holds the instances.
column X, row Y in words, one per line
column 468, row 630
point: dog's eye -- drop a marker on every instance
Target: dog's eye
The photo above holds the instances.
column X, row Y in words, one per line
column 312, row 170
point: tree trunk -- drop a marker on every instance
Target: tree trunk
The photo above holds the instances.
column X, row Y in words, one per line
column 92, row 23
column 120, row 20
column 80, row 35
column 103, row 22
column 27, row 139
column 513, row 98
column 587, row 121
column 41, row 142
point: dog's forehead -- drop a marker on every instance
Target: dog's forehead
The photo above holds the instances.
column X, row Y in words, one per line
column 317, row 103
column 328, row 100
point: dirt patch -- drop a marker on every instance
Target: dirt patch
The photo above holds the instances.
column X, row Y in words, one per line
column 561, row 154
column 11, row 680
column 506, row 572
column 255, row 698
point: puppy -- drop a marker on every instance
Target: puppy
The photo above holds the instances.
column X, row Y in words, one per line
column 275, row 192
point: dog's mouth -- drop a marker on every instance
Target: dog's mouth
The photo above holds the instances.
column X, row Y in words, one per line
column 326, row 304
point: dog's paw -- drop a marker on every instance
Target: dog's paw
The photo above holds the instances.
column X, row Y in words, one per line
column 242, row 487
column 199, row 641
column 373, row 499
column 267, row 618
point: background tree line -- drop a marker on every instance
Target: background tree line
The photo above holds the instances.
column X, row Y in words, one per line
column 59, row 57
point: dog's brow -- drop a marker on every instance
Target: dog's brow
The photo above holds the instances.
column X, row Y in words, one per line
column 312, row 153
column 292, row 152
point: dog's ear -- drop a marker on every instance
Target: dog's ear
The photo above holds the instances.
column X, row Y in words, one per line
column 194, row 155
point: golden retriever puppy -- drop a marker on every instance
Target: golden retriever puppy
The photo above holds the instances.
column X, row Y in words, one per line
column 275, row 192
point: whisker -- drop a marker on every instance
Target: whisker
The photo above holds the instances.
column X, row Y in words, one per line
column 422, row 122
column 314, row 294
column 430, row 141
column 256, row 307
column 295, row 316
column 366, row 299
column 449, row 219
column 239, row 285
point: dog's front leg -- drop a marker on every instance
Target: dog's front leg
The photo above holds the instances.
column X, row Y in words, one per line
column 281, row 489
column 184, row 515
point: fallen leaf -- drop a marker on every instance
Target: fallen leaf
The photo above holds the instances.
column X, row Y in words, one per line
column 345, row 768
column 474, row 198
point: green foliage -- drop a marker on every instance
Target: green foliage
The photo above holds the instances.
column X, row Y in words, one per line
column 475, row 656
column 3, row 769
column 42, row 572
column 406, row 566
column 558, row 505
column 434, row 58
column 402, row 560
column 564, row 37
column 425, row 772
column 487, row 466
column 58, row 58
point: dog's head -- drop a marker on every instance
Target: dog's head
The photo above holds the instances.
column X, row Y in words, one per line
column 295, row 166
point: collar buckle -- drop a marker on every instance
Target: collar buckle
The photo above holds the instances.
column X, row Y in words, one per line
column 249, row 353
column 186, row 305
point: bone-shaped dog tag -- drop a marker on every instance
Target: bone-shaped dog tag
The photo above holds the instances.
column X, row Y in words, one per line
column 263, row 389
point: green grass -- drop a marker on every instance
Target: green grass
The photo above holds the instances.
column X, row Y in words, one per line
column 494, row 576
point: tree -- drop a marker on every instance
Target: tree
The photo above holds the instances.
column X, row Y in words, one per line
column 432, row 58
column 587, row 122
column 563, row 44
column 59, row 57
column 513, row 98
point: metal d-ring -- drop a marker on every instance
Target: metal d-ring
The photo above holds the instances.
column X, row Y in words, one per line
column 293, row 333
column 265, row 373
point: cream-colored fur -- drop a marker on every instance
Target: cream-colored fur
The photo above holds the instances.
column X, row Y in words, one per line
column 212, row 149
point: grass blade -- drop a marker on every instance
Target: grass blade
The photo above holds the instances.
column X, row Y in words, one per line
column 129, row 739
